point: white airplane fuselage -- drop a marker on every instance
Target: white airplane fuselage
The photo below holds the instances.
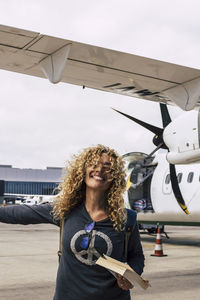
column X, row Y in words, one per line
column 165, row 208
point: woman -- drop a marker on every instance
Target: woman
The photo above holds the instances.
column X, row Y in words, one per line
column 91, row 204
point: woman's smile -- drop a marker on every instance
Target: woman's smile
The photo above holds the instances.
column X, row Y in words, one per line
column 97, row 177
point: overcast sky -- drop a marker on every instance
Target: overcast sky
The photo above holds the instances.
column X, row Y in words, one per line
column 43, row 124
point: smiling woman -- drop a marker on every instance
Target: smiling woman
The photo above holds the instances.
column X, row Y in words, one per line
column 91, row 202
column 91, row 207
column 97, row 172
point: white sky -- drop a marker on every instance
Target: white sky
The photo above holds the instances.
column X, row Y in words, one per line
column 43, row 124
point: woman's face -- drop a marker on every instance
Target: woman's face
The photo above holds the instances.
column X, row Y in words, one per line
column 99, row 177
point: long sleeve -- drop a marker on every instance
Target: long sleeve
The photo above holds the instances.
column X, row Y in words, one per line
column 135, row 257
column 24, row 214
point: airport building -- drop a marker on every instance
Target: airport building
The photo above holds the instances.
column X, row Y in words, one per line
column 15, row 181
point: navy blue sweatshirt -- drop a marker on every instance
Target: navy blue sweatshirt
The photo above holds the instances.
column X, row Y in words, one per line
column 78, row 276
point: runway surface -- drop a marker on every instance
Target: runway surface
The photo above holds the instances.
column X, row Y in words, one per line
column 28, row 264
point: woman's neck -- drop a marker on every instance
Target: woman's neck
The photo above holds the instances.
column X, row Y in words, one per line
column 95, row 204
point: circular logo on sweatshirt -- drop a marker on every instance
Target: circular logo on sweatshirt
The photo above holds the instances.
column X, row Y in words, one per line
column 90, row 255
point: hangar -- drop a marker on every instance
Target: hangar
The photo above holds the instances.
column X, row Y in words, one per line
column 16, row 181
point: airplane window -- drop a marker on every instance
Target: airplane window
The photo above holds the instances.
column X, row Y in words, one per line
column 179, row 177
column 167, row 179
column 190, row 177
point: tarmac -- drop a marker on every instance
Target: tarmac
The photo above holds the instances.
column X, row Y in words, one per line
column 28, row 264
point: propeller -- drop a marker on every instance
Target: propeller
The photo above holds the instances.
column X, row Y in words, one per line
column 159, row 143
column 158, row 138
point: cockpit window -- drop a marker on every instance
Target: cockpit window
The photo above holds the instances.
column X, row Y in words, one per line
column 179, row 177
column 167, row 179
column 190, row 177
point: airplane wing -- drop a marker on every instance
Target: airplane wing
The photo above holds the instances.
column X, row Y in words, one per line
column 94, row 67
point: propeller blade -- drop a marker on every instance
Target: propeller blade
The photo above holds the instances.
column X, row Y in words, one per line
column 176, row 189
column 158, row 131
column 165, row 115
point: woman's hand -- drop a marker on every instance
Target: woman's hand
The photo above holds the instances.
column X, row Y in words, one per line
column 123, row 283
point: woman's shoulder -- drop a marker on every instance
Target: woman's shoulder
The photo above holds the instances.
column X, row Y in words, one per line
column 76, row 211
column 131, row 217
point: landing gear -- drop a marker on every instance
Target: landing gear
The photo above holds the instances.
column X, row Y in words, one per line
column 152, row 229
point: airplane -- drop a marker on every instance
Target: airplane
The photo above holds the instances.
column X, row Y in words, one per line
column 28, row 199
column 163, row 187
column 37, row 199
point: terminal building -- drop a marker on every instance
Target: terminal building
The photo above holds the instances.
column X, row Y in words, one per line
column 16, row 181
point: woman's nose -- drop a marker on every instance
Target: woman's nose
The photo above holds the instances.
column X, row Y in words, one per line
column 99, row 167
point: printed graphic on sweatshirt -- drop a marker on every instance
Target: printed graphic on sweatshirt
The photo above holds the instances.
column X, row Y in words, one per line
column 90, row 255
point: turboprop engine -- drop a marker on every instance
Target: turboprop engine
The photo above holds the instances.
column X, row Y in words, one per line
column 182, row 138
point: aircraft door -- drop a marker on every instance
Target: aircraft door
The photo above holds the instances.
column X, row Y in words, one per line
column 141, row 172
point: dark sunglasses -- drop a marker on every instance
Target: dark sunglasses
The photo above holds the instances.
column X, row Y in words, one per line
column 85, row 242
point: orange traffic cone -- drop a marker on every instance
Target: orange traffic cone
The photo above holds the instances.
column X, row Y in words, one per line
column 158, row 247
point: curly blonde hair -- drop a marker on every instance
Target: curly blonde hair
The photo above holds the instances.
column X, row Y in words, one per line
column 73, row 188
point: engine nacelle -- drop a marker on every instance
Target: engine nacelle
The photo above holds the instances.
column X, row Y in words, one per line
column 182, row 137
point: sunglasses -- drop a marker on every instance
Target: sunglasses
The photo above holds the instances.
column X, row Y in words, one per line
column 85, row 242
